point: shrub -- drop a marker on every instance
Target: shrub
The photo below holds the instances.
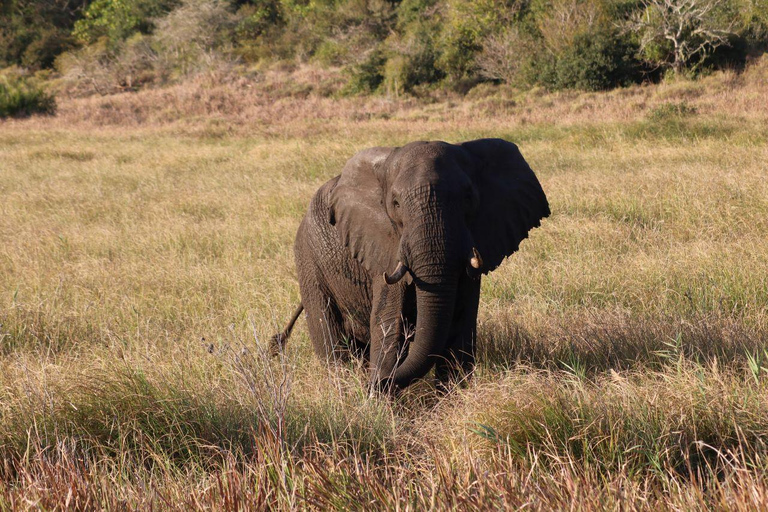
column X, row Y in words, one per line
column 118, row 19
column 467, row 25
column 34, row 32
column 103, row 68
column 21, row 97
column 256, row 17
column 88, row 70
column 595, row 62
column 344, row 31
column 560, row 22
column 368, row 75
column 591, row 61
column 42, row 52
column 412, row 62
column 753, row 24
column 193, row 37
column 555, row 43
column 400, row 45
column 506, row 55
column 681, row 33
column 405, row 60
column 259, row 26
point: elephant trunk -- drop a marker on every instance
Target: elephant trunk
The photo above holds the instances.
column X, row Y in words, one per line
column 435, row 271
column 434, row 305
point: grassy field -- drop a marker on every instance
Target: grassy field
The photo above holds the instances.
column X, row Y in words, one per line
column 146, row 258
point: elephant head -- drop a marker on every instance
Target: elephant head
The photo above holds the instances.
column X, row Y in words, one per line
column 428, row 212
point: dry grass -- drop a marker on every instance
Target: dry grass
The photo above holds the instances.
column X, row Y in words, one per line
column 145, row 258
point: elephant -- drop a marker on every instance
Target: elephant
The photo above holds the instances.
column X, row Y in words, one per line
column 390, row 254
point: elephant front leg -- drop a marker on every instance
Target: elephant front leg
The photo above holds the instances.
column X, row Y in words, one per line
column 458, row 362
column 387, row 333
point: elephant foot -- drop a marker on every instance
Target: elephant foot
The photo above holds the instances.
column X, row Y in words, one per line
column 383, row 388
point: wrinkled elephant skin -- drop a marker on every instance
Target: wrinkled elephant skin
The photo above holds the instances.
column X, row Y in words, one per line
column 391, row 253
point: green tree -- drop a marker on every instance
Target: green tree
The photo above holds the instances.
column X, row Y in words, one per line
column 467, row 24
column 596, row 61
column 34, row 32
column 753, row 22
column 118, row 19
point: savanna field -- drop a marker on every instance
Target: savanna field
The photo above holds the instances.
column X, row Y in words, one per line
column 146, row 259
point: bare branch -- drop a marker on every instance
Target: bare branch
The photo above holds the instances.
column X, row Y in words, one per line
column 693, row 29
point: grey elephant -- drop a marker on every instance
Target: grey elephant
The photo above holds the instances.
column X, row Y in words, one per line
column 391, row 252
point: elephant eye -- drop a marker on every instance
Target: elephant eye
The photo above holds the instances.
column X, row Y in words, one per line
column 396, row 203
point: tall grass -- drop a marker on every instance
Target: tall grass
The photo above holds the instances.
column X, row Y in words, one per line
column 145, row 259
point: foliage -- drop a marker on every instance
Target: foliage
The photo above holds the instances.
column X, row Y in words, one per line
column 368, row 75
column 560, row 22
column 21, row 97
column 681, row 33
column 193, row 37
column 595, row 62
column 413, row 53
column 34, row 32
column 505, row 55
column 118, row 19
column 385, row 46
column 257, row 24
column 467, row 24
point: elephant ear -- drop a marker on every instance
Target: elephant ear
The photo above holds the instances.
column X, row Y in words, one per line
column 358, row 212
column 512, row 201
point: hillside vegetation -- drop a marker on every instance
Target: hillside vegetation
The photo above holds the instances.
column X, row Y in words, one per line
column 387, row 47
column 146, row 258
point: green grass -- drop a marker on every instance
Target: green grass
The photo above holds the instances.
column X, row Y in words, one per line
column 621, row 351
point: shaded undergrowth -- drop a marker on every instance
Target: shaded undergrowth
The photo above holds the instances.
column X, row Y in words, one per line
column 601, row 341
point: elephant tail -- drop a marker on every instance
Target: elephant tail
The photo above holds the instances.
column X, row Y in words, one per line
column 277, row 343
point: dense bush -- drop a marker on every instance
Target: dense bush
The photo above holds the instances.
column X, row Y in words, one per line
column 596, row 61
column 195, row 37
column 258, row 24
column 754, row 22
column 368, row 75
column 413, row 51
column 34, row 32
column 385, row 46
column 21, row 97
column 508, row 56
column 118, row 19
column 467, row 24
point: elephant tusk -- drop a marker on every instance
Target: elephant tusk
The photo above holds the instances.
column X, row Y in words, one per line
column 397, row 275
column 476, row 261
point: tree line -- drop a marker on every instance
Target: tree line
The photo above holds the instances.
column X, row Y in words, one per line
column 390, row 46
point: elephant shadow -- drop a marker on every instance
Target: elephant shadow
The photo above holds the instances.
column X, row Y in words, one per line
column 594, row 343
